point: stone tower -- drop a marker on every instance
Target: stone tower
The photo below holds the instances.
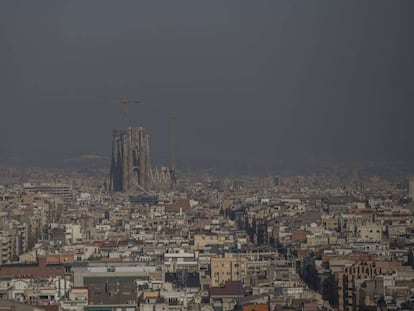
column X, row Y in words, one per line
column 130, row 164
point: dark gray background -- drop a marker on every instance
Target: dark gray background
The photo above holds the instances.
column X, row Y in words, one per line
column 255, row 82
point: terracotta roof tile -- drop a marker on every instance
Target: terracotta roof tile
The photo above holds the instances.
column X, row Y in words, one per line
column 175, row 207
column 231, row 288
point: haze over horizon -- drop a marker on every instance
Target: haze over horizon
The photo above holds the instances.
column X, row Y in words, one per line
column 250, row 82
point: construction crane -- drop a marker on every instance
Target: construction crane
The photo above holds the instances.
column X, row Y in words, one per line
column 173, row 150
column 125, row 102
column 173, row 138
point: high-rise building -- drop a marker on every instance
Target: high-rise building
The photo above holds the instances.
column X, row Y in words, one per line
column 411, row 188
column 130, row 164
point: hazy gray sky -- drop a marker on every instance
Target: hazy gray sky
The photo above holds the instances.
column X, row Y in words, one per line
column 253, row 81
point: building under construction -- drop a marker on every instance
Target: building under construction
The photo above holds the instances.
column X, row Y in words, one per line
column 130, row 165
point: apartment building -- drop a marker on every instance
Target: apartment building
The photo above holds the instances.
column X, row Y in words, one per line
column 227, row 269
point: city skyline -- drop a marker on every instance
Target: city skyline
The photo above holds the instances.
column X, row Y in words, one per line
column 206, row 156
column 251, row 83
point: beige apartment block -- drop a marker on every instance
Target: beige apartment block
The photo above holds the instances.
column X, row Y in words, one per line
column 370, row 232
column 227, row 269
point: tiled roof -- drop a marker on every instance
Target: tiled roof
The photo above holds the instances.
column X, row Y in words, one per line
column 60, row 258
column 175, row 207
column 231, row 288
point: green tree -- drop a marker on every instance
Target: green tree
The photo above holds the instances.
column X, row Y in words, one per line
column 310, row 275
column 330, row 290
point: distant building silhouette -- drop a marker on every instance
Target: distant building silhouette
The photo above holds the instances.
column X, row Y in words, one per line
column 130, row 165
column 411, row 188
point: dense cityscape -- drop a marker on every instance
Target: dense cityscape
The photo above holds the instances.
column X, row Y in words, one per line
column 206, row 155
column 141, row 238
